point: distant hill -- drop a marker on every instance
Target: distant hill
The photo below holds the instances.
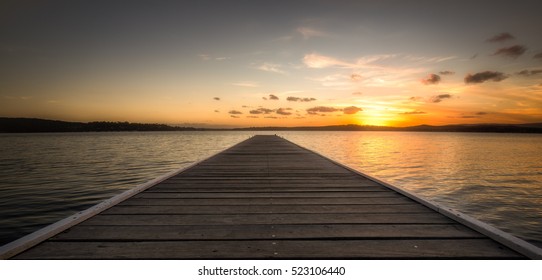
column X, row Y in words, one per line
column 25, row 125
column 500, row 128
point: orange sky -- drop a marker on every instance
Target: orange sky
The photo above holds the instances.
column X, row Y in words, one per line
column 317, row 63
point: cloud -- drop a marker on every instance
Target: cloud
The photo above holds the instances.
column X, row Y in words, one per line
column 204, row 56
column 308, row 32
column 528, row 73
column 216, row 111
column 25, row 98
column 252, row 117
column 481, row 77
column 246, row 84
column 474, row 116
column 413, row 113
column 446, row 72
column 235, row 117
column 505, row 36
column 235, row 112
column 283, row 111
column 216, row 98
column 415, row 98
column 538, row 55
column 357, row 93
column 300, row 99
column 355, row 77
column 439, row 98
column 432, row 79
column 321, row 109
column 270, row 67
column 351, row 110
column 513, row 51
column 261, row 111
column 207, row 57
column 424, row 59
column 324, row 109
column 315, row 60
column 271, row 97
column 270, row 117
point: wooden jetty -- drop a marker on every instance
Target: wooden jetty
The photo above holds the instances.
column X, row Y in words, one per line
column 268, row 198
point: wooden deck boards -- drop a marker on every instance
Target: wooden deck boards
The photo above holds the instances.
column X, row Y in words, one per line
column 268, row 198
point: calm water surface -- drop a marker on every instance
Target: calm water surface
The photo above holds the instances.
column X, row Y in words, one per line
column 496, row 178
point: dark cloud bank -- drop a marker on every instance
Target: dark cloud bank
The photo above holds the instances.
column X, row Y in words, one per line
column 484, row 77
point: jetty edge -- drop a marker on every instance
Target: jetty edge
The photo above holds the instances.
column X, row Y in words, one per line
column 267, row 197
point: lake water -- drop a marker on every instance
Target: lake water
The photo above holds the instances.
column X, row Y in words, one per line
column 496, row 178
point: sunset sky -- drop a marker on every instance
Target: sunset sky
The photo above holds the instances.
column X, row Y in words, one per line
column 272, row 63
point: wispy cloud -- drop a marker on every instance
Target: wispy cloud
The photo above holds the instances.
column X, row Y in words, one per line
column 204, row 56
column 325, row 109
column 271, row 67
column 513, row 51
column 261, row 111
column 235, row 112
column 300, row 99
column 271, row 97
column 485, row 76
column 351, row 110
column 528, row 73
column 502, row 37
column 284, row 111
column 216, row 98
column 425, row 59
column 538, row 55
column 439, row 98
column 315, row 60
column 357, row 93
column 322, row 109
column 416, row 112
column 355, row 77
column 308, row 32
column 446, row 72
column 246, row 84
column 431, row 79
column 17, row 97
column 207, row 57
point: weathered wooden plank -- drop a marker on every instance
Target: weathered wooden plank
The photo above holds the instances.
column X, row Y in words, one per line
column 258, row 189
column 266, row 209
column 255, row 219
column 267, row 184
column 269, row 195
column 274, row 249
column 266, row 201
column 259, row 232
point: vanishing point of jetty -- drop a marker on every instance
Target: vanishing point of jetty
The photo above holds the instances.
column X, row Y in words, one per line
column 267, row 198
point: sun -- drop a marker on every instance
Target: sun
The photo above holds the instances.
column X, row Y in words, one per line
column 376, row 116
